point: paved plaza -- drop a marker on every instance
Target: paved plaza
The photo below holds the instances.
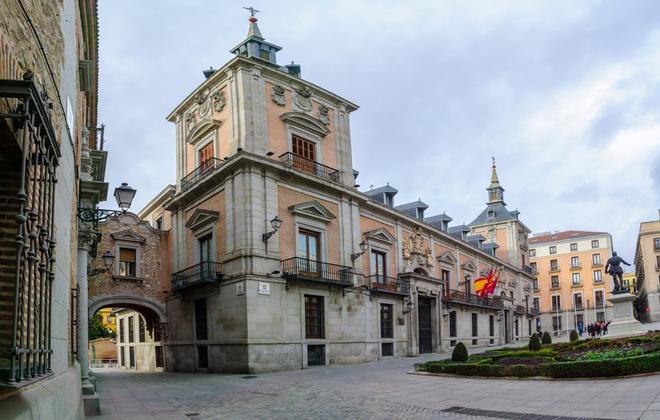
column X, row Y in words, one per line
column 382, row 389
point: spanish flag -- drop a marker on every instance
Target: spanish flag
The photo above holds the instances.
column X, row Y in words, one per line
column 484, row 286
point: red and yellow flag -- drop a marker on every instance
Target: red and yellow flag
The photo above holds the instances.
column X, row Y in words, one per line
column 485, row 286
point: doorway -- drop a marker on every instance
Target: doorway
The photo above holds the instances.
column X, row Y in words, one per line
column 425, row 326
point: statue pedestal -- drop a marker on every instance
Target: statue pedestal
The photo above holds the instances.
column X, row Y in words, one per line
column 623, row 321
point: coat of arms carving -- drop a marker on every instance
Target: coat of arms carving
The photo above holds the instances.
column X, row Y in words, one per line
column 322, row 114
column 414, row 251
column 302, row 99
column 219, row 101
column 278, row 95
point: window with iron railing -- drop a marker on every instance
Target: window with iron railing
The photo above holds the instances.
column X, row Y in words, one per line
column 554, row 281
column 595, row 259
column 314, row 317
column 554, row 265
column 575, row 278
column 575, row 262
column 556, row 303
column 598, row 276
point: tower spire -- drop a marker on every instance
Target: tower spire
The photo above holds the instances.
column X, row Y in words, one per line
column 495, row 191
column 255, row 46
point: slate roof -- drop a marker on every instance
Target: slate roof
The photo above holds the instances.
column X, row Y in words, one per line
column 559, row 236
column 414, row 205
column 438, row 218
column 380, row 190
column 458, row 229
column 502, row 214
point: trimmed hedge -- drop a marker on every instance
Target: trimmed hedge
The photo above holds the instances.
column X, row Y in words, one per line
column 576, row 369
column 534, row 343
column 546, row 338
column 460, row 353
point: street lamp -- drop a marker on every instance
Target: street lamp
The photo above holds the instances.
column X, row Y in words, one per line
column 124, row 196
column 275, row 223
column 108, row 258
column 363, row 248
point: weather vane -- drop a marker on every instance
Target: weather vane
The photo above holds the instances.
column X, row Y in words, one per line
column 493, row 160
column 252, row 10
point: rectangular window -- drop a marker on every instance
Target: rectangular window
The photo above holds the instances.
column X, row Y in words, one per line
column 314, row 317
column 491, row 325
column 533, row 267
column 594, row 243
column 515, row 324
column 309, row 249
column 575, row 277
column 141, row 329
column 315, row 355
column 532, row 252
column 387, row 349
column 201, row 325
column 206, row 248
column 121, row 330
column 122, row 351
column 556, row 303
column 600, row 316
column 598, row 297
column 446, row 279
column 656, row 243
column 130, row 329
column 574, row 247
column 202, row 357
column 378, row 266
column 159, row 223
column 131, row 356
column 535, row 303
column 535, row 284
column 595, row 259
column 553, row 249
column 304, row 152
column 475, row 325
column 386, row 322
column 160, row 361
column 554, row 266
column 598, row 276
column 577, row 301
column 575, row 262
column 554, row 281
column 158, row 334
column 127, row 260
column 452, row 324
column 556, row 323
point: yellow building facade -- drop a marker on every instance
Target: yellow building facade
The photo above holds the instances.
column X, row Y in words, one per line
column 571, row 286
column 647, row 269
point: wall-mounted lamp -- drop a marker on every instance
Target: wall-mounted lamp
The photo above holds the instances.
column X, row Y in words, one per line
column 276, row 222
column 108, row 259
column 363, row 248
column 269, row 153
column 407, row 306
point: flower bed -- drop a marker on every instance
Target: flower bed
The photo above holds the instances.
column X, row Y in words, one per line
column 580, row 359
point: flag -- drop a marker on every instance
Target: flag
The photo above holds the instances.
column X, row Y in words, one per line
column 485, row 285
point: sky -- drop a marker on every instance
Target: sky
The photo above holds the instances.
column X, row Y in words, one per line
column 564, row 94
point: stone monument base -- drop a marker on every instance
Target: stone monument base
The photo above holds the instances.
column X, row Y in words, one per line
column 623, row 321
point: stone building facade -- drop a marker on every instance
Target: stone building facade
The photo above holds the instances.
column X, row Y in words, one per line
column 279, row 262
column 139, row 347
column 48, row 85
column 571, row 285
column 647, row 269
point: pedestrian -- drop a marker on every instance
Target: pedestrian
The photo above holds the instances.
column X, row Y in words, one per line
column 605, row 327
column 580, row 327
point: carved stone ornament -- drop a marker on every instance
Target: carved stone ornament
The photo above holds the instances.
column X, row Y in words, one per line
column 322, row 115
column 278, row 95
column 219, row 101
column 202, row 99
column 414, row 252
column 302, row 98
column 190, row 121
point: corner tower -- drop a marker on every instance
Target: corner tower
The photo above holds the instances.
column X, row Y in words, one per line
column 501, row 226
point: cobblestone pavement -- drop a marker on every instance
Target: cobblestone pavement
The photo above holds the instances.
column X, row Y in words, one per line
column 376, row 390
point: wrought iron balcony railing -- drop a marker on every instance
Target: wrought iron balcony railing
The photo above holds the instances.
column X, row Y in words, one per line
column 578, row 307
column 533, row 311
column 554, row 269
column 527, row 269
column 386, row 284
column 597, row 264
column 519, row 309
column 207, row 272
column 473, row 300
column 297, row 268
column 203, row 170
column 310, row 166
column 576, row 266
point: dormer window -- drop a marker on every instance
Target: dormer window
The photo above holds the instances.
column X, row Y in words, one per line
column 389, row 200
column 491, row 214
column 420, row 213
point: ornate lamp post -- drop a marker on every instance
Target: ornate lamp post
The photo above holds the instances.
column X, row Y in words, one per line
column 275, row 223
column 124, row 196
column 108, row 258
column 363, row 248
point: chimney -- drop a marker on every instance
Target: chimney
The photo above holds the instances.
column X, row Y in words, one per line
column 293, row 69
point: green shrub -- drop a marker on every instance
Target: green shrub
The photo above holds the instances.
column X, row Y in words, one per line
column 534, row 343
column 546, row 338
column 460, row 353
column 523, row 353
column 574, row 336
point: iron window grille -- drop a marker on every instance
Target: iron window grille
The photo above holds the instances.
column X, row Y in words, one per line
column 386, row 321
column 316, row 355
column 314, row 317
column 25, row 336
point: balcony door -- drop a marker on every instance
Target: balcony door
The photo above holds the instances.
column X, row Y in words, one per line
column 378, row 265
column 309, row 251
column 304, row 154
column 205, row 157
column 206, row 255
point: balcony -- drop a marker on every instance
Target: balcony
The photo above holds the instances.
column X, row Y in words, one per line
column 527, row 269
column 519, row 309
column 204, row 273
column 556, row 309
column 384, row 284
column 554, row 269
column 473, row 300
column 310, row 166
column 598, row 281
column 202, row 171
column 576, row 266
column 578, row 307
column 533, row 311
column 596, row 264
column 302, row 269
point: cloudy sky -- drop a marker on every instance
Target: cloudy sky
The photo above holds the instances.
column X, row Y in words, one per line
column 564, row 94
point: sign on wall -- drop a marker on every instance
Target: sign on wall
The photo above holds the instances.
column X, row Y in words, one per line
column 240, row 288
column 264, row 288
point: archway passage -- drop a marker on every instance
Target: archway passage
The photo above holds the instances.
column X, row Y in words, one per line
column 133, row 333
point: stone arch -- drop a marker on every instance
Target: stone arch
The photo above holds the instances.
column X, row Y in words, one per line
column 138, row 303
column 420, row 270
